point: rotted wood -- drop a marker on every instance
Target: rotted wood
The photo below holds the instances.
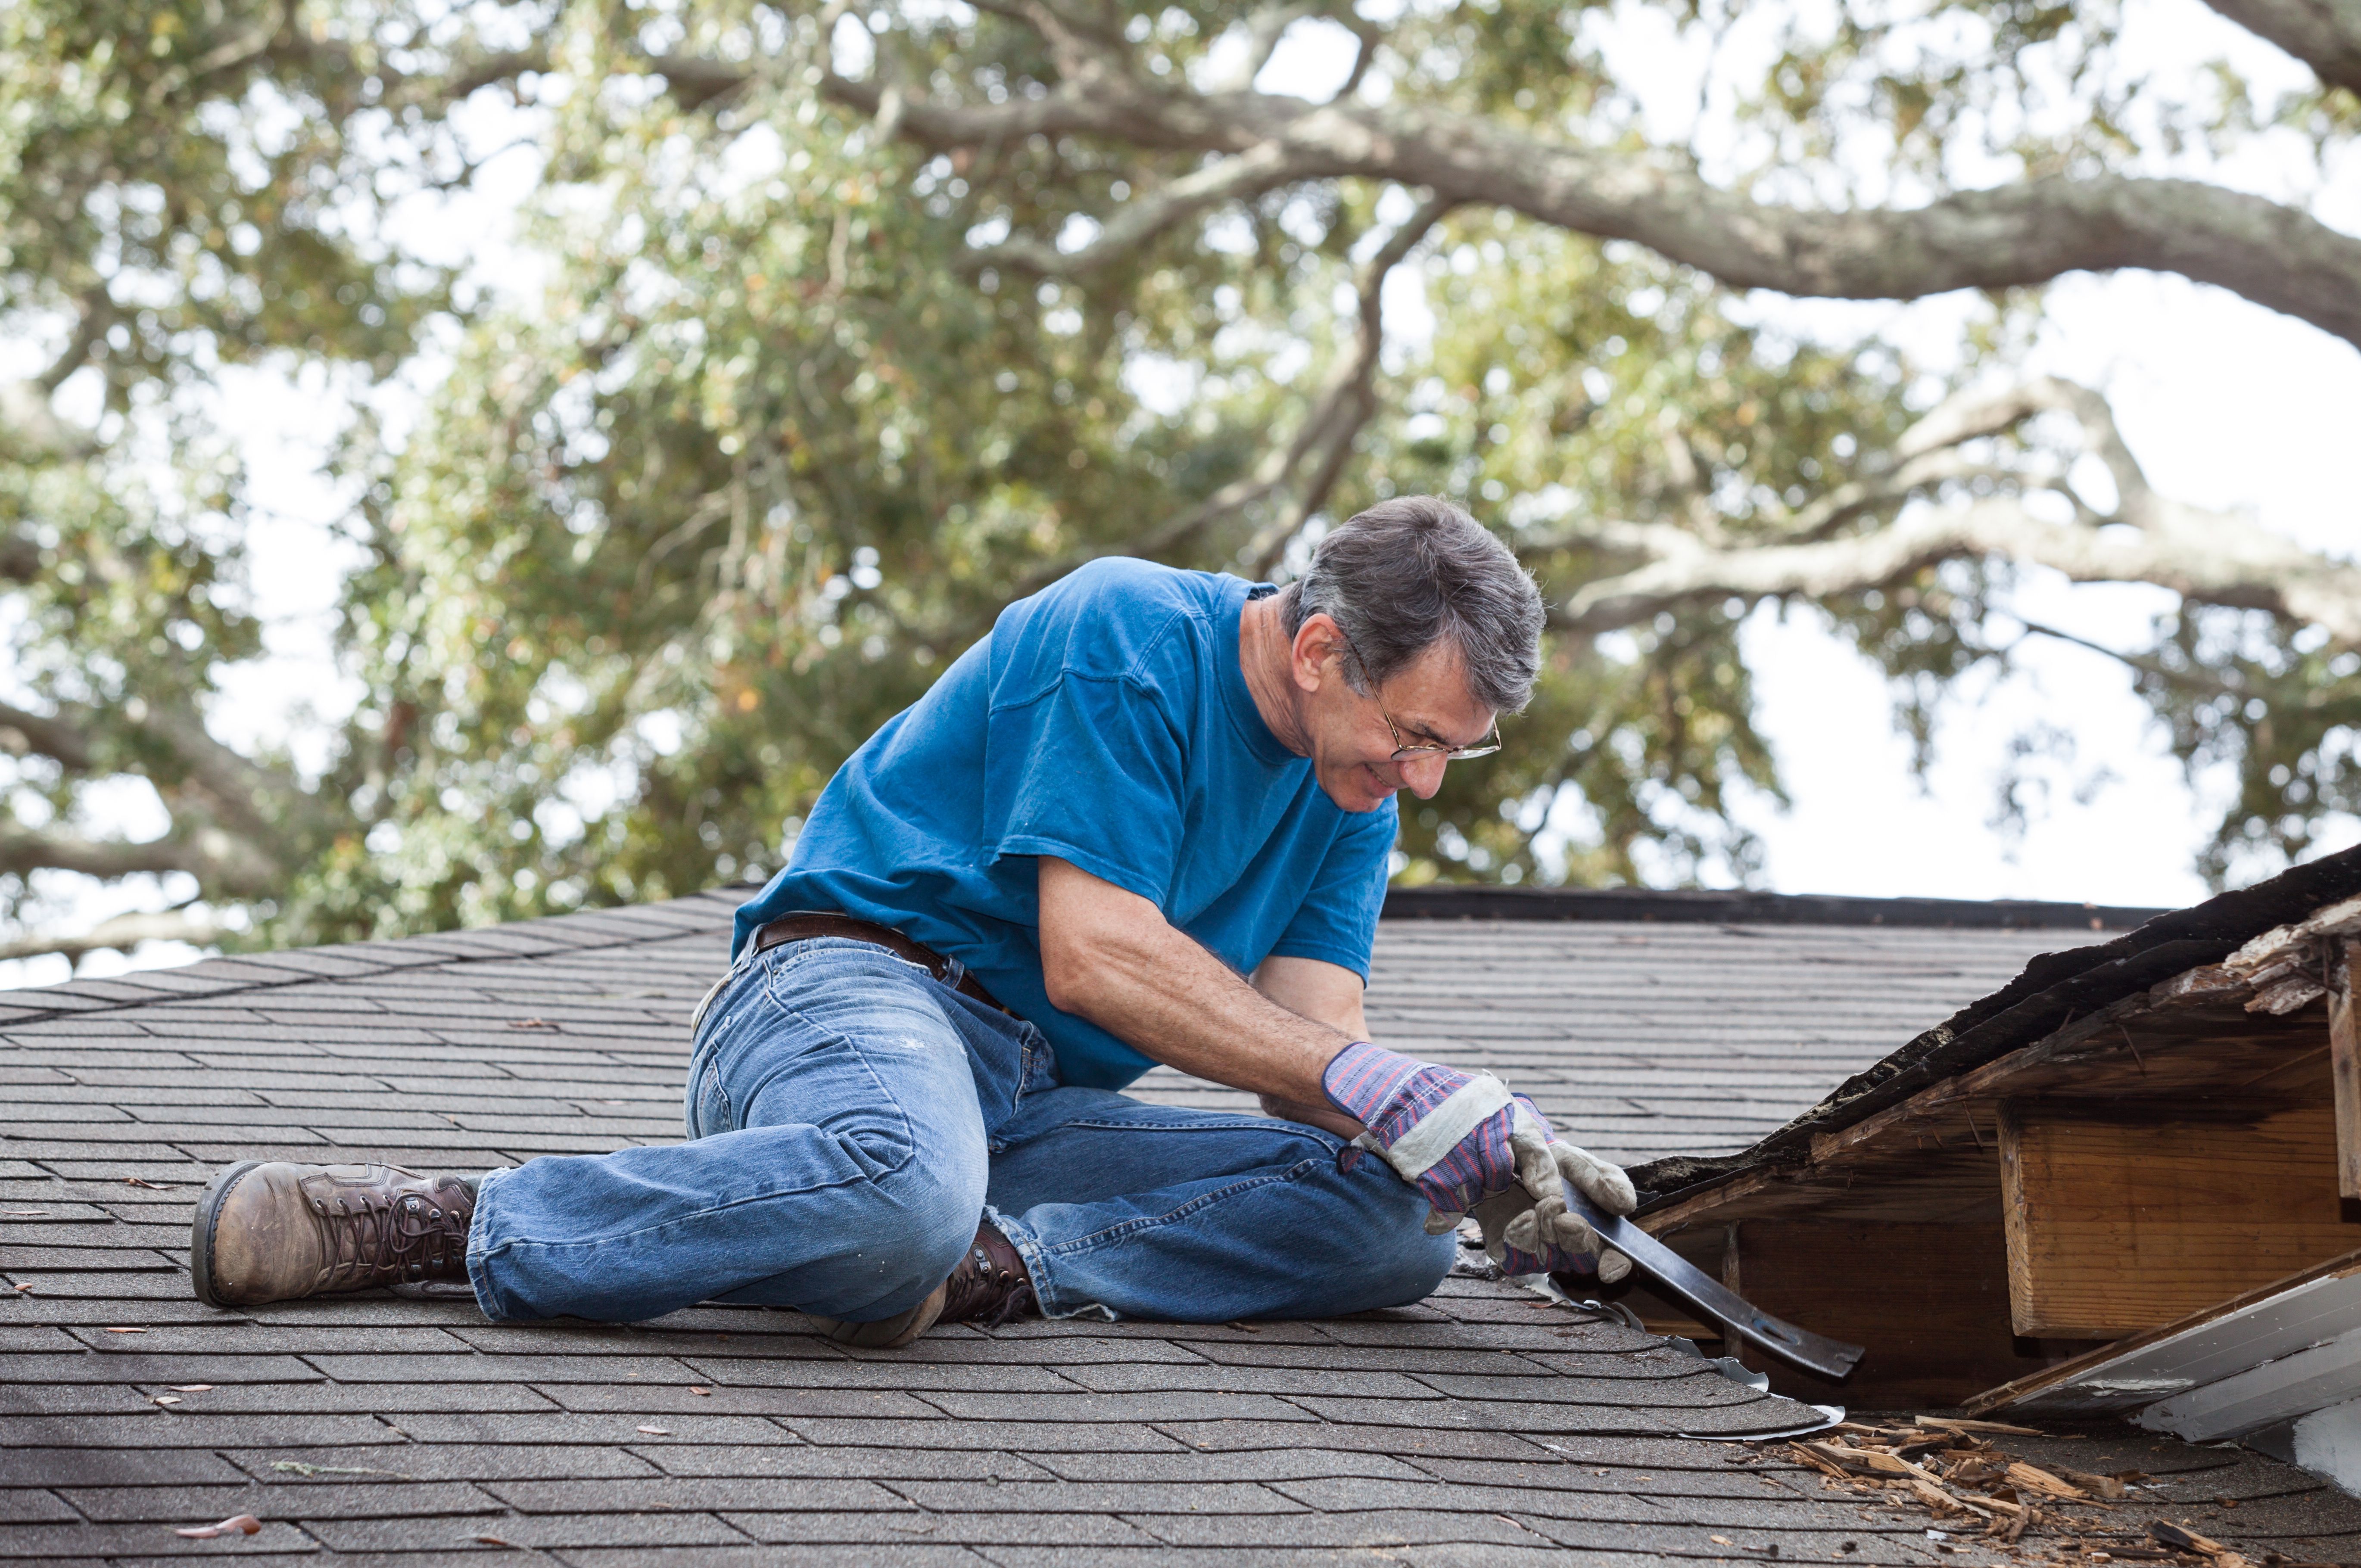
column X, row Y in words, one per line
column 1931, row 1302
column 1935, row 1156
column 2345, row 1065
column 2117, row 1222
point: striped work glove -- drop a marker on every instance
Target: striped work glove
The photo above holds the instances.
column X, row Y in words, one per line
column 1467, row 1144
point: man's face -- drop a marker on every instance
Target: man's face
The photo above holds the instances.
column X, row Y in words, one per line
column 1352, row 748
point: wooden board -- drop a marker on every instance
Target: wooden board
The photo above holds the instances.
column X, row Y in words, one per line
column 2344, row 1068
column 2262, row 1325
column 2116, row 1223
column 1929, row 1302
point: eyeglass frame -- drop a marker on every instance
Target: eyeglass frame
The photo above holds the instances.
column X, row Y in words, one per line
column 1404, row 752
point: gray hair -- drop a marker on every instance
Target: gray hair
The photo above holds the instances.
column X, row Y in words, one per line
column 1408, row 571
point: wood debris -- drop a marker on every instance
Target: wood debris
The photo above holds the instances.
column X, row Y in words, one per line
column 236, row 1524
column 1979, row 1493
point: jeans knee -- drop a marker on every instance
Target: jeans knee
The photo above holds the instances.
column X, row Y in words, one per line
column 1410, row 1267
column 927, row 1221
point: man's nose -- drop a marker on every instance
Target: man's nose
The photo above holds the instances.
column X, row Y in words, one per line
column 1423, row 776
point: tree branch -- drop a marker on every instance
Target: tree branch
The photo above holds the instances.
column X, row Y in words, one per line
column 1249, row 174
column 260, row 803
column 218, row 859
column 2323, row 34
column 123, row 931
column 23, row 733
column 2022, row 234
column 2206, row 557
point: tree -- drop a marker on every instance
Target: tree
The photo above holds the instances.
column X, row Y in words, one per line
column 857, row 324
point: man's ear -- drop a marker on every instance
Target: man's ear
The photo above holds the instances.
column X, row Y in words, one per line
column 1318, row 649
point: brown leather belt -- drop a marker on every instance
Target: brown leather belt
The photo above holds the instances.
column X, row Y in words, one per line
column 807, row 923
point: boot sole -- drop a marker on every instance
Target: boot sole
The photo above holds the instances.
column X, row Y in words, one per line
column 894, row 1333
column 201, row 1229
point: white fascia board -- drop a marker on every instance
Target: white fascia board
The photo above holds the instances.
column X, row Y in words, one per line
column 2296, row 1319
column 2328, row 1442
column 2324, row 1375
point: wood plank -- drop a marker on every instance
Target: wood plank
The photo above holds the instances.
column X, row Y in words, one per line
column 1929, row 1302
column 2116, row 1223
column 2344, row 1069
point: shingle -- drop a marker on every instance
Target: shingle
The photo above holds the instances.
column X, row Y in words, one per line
column 95, row 1368
column 1152, row 1407
column 1022, row 1437
column 569, row 1427
column 1377, row 1526
column 885, row 1464
column 859, row 1404
column 437, row 1461
column 662, row 1528
column 872, row 1554
column 85, row 1541
column 1099, row 1497
column 394, row 1367
column 939, row 1376
column 73, row 1398
column 394, row 1401
column 1205, row 1557
column 703, row 1491
column 1153, row 1377
column 1302, row 1463
column 982, row 1530
column 159, row 1430
column 291, row 1339
column 1408, row 1442
column 345, row 1500
column 60, row 1466
column 24, row 1507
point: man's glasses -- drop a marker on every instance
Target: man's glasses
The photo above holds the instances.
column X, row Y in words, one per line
column 1404, row 752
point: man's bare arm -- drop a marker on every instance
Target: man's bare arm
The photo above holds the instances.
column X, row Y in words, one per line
column 1111, row 957
column 1326, row 993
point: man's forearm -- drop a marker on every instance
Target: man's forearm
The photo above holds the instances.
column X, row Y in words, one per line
column 1110, row 957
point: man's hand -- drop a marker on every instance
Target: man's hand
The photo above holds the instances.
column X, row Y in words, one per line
column 1525, row 1235
column 1466, row 1144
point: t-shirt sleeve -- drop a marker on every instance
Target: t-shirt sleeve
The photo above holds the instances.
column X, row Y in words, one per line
column 1337, row 922
column 1091, row 770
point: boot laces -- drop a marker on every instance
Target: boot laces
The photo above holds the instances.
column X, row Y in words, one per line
column 983, row 1291
column 376, row 1234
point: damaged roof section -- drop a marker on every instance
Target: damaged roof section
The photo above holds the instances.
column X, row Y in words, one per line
column 2123, row 1178
column 2053, row 990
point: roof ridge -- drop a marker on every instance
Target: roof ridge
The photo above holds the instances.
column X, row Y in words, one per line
column 89, row 998
column 1747, row 906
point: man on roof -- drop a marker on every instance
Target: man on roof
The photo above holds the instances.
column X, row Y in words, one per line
column 1146, row 820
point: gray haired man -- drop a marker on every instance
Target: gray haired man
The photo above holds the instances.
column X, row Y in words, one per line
column 1146, row 820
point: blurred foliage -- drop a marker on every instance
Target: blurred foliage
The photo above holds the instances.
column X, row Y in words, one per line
column 763, row 447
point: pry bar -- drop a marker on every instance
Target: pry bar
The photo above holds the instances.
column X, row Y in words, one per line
column 1700, row 1292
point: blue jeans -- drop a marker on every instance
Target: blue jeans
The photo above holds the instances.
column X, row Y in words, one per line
column 851, row 1120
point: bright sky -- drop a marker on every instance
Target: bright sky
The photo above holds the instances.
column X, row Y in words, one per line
column 2225, row 403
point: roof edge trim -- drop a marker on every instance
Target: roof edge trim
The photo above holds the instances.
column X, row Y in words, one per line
column 1699, row 906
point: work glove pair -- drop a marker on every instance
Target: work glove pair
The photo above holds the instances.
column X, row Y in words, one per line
column 1471, row 1147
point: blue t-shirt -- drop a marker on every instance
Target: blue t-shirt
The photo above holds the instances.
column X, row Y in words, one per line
column 1105, row 721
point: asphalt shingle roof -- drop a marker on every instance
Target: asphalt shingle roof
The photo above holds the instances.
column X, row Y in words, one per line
column 1484, row 1425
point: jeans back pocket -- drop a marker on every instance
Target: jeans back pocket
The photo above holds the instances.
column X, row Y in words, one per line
column 709, row 1103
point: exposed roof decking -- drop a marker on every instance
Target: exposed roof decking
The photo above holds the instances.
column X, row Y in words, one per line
column 1481, row 1427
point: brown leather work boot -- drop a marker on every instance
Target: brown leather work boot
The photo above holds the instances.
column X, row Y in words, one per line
column 278, row 1231
column 990, row 1285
